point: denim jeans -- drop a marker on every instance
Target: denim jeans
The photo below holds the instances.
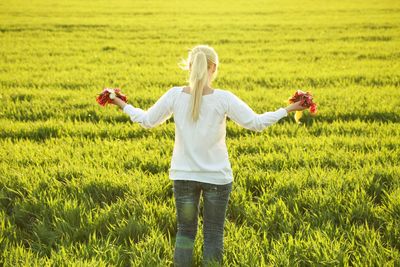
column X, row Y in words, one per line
column 215, row 198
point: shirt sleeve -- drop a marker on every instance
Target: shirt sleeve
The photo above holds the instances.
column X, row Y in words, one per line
column 243, row 115
column 154, row 116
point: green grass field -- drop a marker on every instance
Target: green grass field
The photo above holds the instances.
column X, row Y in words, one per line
column 81, row 185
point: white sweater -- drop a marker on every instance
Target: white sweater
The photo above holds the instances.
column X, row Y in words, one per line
column 200, row 153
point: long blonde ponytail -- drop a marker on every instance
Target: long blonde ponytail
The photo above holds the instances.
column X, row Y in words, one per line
column 199, row 61
column 198, row 79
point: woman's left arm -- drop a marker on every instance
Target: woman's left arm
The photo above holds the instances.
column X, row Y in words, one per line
column 154, row 116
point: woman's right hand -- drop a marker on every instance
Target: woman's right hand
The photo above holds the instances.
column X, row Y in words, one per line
column 117, row 101
column 296, row 106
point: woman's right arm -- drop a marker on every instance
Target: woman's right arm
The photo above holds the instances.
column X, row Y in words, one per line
column 243, row 115
column 155, row 115
column 117, row 101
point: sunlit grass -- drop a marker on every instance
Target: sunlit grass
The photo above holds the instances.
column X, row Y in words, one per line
column 81, row 185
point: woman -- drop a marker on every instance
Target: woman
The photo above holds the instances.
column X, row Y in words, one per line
column 200, row 163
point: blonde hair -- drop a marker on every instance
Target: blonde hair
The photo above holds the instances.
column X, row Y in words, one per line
column 199, row 61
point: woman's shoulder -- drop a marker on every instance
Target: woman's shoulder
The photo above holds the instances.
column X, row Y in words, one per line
column 174, row 90
column 223, row 97
column 220, row 93
column 224, row 94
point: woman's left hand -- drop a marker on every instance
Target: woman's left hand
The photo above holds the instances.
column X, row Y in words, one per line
column 295, row 107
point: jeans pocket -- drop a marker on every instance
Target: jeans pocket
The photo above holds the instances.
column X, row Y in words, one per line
column 225, row 191
column 180, row 187
column 226, row 188
column 218, row 192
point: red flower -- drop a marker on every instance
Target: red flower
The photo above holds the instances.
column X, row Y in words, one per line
column 108, row 94
column 306, row 100
column 313, row 108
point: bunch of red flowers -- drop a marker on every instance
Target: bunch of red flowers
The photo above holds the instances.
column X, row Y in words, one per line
column 108, row 94
column 306, row 99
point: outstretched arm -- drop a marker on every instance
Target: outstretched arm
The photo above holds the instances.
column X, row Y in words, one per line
column 157, row 114
column 117, row 101
column 243, row 115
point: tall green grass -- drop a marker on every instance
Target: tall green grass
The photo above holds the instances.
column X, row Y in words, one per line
column 81, row 185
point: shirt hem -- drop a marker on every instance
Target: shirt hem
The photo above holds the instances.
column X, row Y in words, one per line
column 204, row 177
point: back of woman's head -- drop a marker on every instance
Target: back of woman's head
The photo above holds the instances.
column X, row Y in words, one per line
column 200, row 59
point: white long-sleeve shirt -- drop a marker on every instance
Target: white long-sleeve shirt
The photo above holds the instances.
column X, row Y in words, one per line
column 200, row 153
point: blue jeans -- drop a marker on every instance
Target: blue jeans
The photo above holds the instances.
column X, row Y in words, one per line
column 187, row 196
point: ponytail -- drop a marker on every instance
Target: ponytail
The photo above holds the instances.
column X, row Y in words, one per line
column 198, row 62
column 197, row 81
